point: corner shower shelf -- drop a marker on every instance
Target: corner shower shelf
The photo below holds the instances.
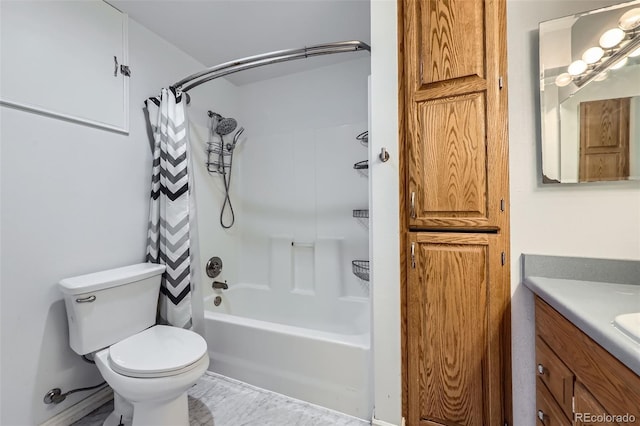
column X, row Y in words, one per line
column 361, row 214
column 361, row 165
column 361, row 269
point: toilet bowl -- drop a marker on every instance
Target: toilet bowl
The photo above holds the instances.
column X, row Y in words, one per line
column 111, row 314
column 151, row 373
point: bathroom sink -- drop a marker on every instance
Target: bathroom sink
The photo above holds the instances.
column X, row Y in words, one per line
column 629, row 324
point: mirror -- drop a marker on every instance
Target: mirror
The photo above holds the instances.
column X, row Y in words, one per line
column 590, row 95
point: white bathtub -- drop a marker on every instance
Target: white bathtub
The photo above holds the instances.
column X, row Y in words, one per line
column 324, row 359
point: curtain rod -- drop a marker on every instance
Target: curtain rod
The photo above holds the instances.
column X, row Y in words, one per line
column 249, row 62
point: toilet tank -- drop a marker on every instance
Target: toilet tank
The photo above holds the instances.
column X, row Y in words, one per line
column 106, row 307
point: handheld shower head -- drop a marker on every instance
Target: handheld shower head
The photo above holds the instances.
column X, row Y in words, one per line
column 231, row 146
column 226, row 126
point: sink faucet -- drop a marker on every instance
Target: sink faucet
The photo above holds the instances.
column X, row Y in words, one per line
column 220, row 285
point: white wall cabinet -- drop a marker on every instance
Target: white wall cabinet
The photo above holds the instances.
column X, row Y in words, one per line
column 59, row 58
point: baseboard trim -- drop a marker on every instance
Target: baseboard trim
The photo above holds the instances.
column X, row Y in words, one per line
column 80, row 409
column 378, row 422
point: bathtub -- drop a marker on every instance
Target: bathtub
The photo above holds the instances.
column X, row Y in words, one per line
column 324, row 358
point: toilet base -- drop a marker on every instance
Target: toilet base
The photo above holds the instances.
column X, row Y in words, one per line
column 174, row 412
column 122, row 414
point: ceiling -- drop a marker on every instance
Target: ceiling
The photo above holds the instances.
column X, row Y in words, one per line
column 217, row 31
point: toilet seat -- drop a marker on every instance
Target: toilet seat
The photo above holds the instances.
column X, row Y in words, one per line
column 159, row 351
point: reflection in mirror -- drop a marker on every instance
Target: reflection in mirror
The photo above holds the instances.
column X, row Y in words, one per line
column 590, row 95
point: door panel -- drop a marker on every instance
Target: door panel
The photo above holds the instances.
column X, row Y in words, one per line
column 604, row 140
column 452, row 158
column 454, row 367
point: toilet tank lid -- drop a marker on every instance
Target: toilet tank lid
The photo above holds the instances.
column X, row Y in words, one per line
column 110, row 278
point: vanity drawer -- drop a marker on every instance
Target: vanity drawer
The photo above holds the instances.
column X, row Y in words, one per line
column 555, row 375
column 548, row 412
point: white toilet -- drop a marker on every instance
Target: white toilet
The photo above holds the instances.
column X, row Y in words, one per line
column 149, row 367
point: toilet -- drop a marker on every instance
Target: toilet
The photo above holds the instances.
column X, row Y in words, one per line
column 150, row 367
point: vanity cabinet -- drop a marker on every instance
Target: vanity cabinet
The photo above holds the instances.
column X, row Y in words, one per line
column 454, row 213
column 577, row 378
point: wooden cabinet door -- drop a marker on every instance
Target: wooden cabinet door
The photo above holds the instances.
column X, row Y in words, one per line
column 455, row 315
column 456, row 113
column 588, row 411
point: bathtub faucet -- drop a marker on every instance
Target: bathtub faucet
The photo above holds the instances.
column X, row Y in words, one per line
column 220, row 285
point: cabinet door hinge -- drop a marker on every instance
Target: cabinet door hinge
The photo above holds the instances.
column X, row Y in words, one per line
column 573, row 404
column 502, row 205
column 421, row 71
column 503, row 258
column 500, row 83
column 413, row 255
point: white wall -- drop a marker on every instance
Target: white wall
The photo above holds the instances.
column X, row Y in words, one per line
column 74, row 200
column 589, row 220
column 385, row 236
column 296, row 183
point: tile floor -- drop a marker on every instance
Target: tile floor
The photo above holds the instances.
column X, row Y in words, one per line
column 220, row 401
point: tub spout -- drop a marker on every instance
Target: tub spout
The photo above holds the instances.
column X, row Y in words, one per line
column 220, row 285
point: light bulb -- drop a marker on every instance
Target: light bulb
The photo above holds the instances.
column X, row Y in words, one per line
column 601, row 76
column 563, row 79
column 621, row 63
column 577, row 67
column 630, row 20
column 611, row 38
column 635, row 53
column 592, row 55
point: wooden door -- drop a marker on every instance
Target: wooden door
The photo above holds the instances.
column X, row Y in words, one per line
column 604, row 140
column 455, row 104
column 454, row 330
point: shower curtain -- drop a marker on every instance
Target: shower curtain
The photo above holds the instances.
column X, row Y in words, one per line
column 168, row 240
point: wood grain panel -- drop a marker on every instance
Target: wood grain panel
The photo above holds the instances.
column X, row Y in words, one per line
column 452, row 151
column 615, row 386
column 604, row 140
column 452, row 42
column 453, row 371
column 548, row 413
column 587, row 406
column 555, row 375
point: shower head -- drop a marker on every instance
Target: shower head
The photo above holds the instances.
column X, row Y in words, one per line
column 226, row 126
column 231, row 146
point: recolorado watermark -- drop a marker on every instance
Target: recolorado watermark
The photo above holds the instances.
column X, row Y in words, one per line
column 604, row 418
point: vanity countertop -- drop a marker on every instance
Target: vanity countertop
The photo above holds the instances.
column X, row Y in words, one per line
column 590, row 302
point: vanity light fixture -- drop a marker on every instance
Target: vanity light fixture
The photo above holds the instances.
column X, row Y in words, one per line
column 563, row 79
column 593, row 55
column 616, row 44
column 577, row 67
column 630, row 20
column 611, row 38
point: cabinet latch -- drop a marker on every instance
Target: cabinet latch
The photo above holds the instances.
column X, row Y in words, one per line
column 124, row 69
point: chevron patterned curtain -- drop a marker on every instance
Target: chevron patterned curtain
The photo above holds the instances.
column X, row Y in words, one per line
column 168, row 235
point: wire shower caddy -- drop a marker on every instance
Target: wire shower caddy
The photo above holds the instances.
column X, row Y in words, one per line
column 218, row 157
